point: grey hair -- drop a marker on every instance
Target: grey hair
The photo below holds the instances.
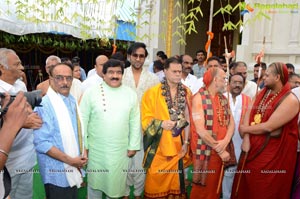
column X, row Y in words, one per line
column 53, row 58
column 3, row 56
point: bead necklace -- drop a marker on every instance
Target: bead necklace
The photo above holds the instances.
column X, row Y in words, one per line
column 262, row 107
column 222, row 111
column 176, row 106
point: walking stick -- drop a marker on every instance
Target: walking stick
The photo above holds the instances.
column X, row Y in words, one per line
column 227, row 57
column 258, row 60
column 240, row 175
column 220, row 179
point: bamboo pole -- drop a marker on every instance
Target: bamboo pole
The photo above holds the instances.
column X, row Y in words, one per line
column 170, row 27
column 211, row 12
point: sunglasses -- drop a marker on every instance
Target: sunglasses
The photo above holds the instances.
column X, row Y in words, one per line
column 141, row 56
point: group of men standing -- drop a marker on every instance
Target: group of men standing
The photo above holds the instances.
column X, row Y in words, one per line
column 130, row 129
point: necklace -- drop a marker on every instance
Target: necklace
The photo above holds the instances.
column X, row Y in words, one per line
column 263, row 106
column 222, row 111
column 176, row 105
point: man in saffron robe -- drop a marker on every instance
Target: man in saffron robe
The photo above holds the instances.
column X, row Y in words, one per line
column 270, row 139
column 165, row 113
column 212, row 129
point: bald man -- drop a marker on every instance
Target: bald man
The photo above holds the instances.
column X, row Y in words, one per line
column 213, row 128
column 96, row 78
column 50, row 62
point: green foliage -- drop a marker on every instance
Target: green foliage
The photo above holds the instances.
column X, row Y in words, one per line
column 185, row 16
column 65, row 42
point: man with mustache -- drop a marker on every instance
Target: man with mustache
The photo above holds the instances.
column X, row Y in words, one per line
column 199, row 68
column 238, row 105
column 250, row 86
column 59, row 142
column 111, row 118
column 188, row 79
column 139, row 79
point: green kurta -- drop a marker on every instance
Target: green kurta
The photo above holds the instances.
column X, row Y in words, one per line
column 111, row 119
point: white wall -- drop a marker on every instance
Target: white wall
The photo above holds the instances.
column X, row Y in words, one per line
column 282, row 33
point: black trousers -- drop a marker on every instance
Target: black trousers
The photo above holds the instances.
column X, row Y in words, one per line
column 55, row 192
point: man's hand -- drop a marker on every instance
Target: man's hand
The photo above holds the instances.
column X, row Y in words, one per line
column 243, row 130
column 225, row 156
column 77, row 162
column 246, row 144
column 183, row 150
column 33, row 121
column 221, row 146
column 131, row 153
column 168, row 124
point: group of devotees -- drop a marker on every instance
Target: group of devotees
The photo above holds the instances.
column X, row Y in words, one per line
column 131, row 132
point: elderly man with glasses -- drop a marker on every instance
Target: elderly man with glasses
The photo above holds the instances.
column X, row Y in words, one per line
column 58, row 142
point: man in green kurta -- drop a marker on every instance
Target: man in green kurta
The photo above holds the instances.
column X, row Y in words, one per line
column 111, row 118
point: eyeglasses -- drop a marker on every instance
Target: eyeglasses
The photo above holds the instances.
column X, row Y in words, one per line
column 141, row 56
column 61, row 78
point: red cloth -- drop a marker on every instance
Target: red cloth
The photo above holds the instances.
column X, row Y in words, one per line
column 209, row 76
column 215, row 163
column 270, row 174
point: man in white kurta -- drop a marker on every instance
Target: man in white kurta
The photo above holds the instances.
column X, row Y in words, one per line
column 238, row 105
column 250, row 86
column 140, row 80
column 111, row 117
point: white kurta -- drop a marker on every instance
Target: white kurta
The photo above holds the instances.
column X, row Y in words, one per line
column 136, row 175
column 111, row 118
column 76, row 90
column 146, row 81
column 191, row 82
column 250, row 89
column 91, row 81
column 236, row 109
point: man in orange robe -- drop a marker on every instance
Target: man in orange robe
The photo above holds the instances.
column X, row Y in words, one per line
column 270, row 139
column 212, row 129
column 165, row 118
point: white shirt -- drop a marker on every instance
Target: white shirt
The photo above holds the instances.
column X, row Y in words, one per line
column 91, row 81
column 91, row 72
column 190, row 82
column 22, row 156
column 199, row 83
column 76, row 89
column 12, row 89
column 236, row 109
column 250, row 89
column 160, row 75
